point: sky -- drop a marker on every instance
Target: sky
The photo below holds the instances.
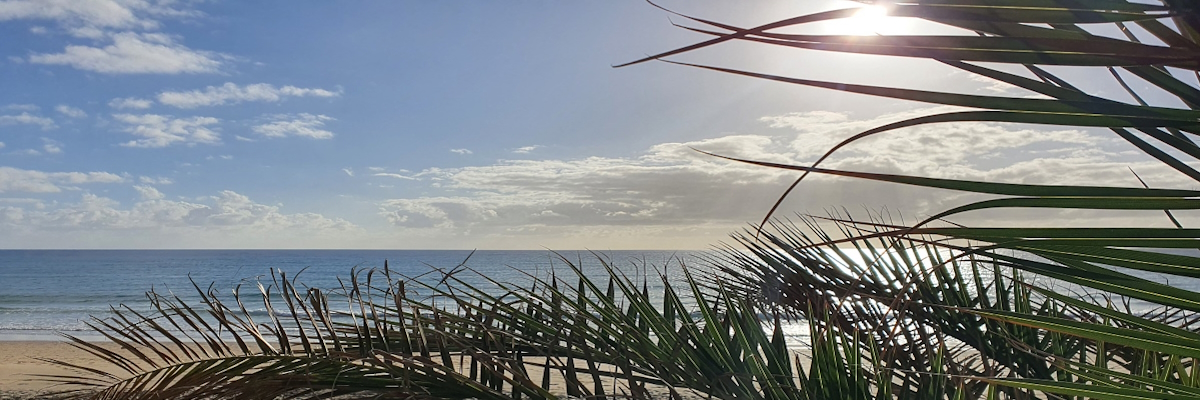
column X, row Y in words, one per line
column 143, row 124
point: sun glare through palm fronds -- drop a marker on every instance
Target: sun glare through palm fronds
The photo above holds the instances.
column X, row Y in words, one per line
column 869, row 20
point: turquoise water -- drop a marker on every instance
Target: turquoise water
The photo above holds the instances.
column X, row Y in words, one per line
column 43, row 291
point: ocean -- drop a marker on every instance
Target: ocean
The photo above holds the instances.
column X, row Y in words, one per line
column 48, row 291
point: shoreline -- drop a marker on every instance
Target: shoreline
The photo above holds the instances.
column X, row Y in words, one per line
column 47, row 335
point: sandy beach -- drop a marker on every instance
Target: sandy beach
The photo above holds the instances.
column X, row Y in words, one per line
column 19, row 366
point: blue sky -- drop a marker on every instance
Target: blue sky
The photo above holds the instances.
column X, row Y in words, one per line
column 472, row 124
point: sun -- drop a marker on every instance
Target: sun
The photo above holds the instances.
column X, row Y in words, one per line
column 869, row 20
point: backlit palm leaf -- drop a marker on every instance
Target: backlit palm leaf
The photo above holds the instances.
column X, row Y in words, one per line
column 883, row 287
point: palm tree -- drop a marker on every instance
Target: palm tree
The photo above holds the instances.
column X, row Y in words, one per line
column 966, row 299
column 927, row 310
column 398, row 336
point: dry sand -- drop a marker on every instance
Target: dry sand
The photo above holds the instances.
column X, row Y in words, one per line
column 19, row 367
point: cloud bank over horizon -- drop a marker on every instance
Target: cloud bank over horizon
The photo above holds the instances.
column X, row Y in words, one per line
column 669, row 191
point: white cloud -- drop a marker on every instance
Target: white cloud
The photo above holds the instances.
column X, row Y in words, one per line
column 231, row 93
column 164, row 130
column 69, row 111
column 671, row 188
column 526, row 149
column 394, row 175
column 21, row 107
column 225, row 220
column 130, row 103
column 303, row 125
column 149, row 180
column 664, row 187
column 148, row 192
column 84, row 18
column 992, row 85
column 349, row 172
column 119, row 32
column 461, row 151
column 30, row 181
column 28, row 119
column 940, row 149
column 51, row 146
column 135, row 53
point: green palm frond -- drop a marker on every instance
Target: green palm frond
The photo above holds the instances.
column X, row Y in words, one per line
column 570, row 334
column 932, row 309
column 916, row 288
